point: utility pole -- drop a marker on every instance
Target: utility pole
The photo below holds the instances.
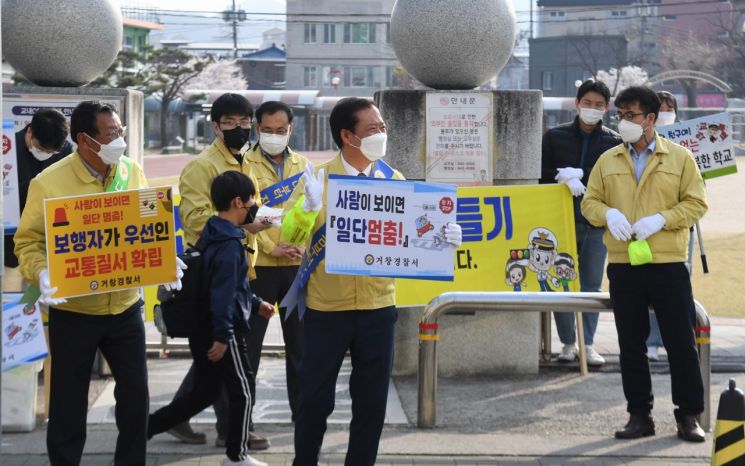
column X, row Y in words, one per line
column 531, row 19
column 234, row 15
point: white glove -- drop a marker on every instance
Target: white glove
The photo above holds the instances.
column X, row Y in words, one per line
column 313, row 190
column 180, row 267
column 647, row 226
column 575, row 186
column 618, row 226
column 47, row 291
column 567, row 173
column 453, row 234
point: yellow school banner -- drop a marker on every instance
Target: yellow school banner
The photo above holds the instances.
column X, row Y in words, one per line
column 106, row 242
column 515, row 238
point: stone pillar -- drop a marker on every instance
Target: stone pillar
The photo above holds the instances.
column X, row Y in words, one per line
column 130, row 106
column 483, row 342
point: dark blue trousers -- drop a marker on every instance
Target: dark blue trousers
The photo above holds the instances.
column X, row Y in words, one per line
column 368, row 335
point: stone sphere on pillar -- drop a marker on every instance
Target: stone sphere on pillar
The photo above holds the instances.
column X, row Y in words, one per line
column 61, row 42
column 453, row 44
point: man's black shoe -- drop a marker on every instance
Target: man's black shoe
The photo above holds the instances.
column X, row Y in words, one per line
column 689, row 430
column 637, row 427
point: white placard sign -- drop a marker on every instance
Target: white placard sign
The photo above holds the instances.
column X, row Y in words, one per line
column 459, row 138
column 710, row 140
column 391, row 228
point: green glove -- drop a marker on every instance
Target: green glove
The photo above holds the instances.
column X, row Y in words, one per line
column 639, row 252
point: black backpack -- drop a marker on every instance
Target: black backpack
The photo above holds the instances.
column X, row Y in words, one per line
column 181, row 313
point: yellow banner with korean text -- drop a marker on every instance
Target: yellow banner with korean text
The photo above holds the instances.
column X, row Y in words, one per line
column 106, row 242
column 515, row 238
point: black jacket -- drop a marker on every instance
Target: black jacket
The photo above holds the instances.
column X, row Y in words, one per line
column 28, row 168
column 562, row 147
column 226, row 268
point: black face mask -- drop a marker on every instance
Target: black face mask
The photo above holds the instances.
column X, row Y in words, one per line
column 235, row 138
column 250, row 214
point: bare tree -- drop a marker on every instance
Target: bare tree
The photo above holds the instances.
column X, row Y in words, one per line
column 693, row 53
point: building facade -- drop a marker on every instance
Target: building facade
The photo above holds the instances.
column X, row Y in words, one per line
column 558, row 63
column 637, row 20
column 348, row 53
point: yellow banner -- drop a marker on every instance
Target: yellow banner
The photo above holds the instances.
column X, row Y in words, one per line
column 107, row 242
column 515, row 238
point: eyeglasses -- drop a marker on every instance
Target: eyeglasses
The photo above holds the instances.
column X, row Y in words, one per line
column 232, row 124
column 629, row 116
column 121, row 133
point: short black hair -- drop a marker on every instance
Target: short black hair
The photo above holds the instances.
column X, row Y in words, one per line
column 642, row 95
column 593, row 86
column 83, row 119
column 49, row 127
column 669, row 99
column 230, row 104
column 271, row 107
column 344, row 116
column 227, row 186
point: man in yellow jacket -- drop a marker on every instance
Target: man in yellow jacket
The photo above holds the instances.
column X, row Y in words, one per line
column 80, row 326
column 648, row 192
column 231, row 117
column 344, row 312
column 278, row 170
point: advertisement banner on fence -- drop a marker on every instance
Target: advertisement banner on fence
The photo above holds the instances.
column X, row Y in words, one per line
column 515, row 238
column 106, row 242
column 710, row 140
column 391, row 228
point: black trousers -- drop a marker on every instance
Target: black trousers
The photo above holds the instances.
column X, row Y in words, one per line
column 667, row 289
column 74, row 339
column 271, row 284
column 232, row 372
column 368, row 335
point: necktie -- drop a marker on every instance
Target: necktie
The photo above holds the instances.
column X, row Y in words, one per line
column 361, row 174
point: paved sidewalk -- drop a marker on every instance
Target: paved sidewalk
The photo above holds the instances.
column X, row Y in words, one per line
column 553, row 418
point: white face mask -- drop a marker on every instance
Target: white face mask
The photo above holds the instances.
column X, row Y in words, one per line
column 273, row 144
column 39, row 154
column 630, row 132
column 665, row 118
column 590, row 116
column 111, row 153
column 373, row 146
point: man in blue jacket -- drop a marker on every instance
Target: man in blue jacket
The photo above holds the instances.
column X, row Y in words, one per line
column 219, row 350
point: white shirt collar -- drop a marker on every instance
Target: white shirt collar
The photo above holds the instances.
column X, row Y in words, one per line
column 351, row 171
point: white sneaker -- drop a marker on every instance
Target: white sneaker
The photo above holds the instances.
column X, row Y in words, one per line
column 247, row 462
column 652, row 353
column 593, row 358
column 568, row 353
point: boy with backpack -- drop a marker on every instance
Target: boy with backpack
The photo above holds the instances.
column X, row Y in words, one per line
column 218, row 346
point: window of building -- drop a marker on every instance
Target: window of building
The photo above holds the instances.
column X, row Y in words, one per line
column 387, row 33
column 329, row 33
column 358, row 76
column 557, row 14
column 128, row 42
column 359, row 33
column 669, row 17
column 547, row 80
column 311, row 36
column 310, row 76
column 622, row 13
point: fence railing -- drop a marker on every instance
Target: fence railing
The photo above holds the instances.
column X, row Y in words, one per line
column 526, row 302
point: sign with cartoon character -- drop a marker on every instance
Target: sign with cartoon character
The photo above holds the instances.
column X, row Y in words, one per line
column 710, row 140
column 391, row 228
column 23, row 332
column 524, row 233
